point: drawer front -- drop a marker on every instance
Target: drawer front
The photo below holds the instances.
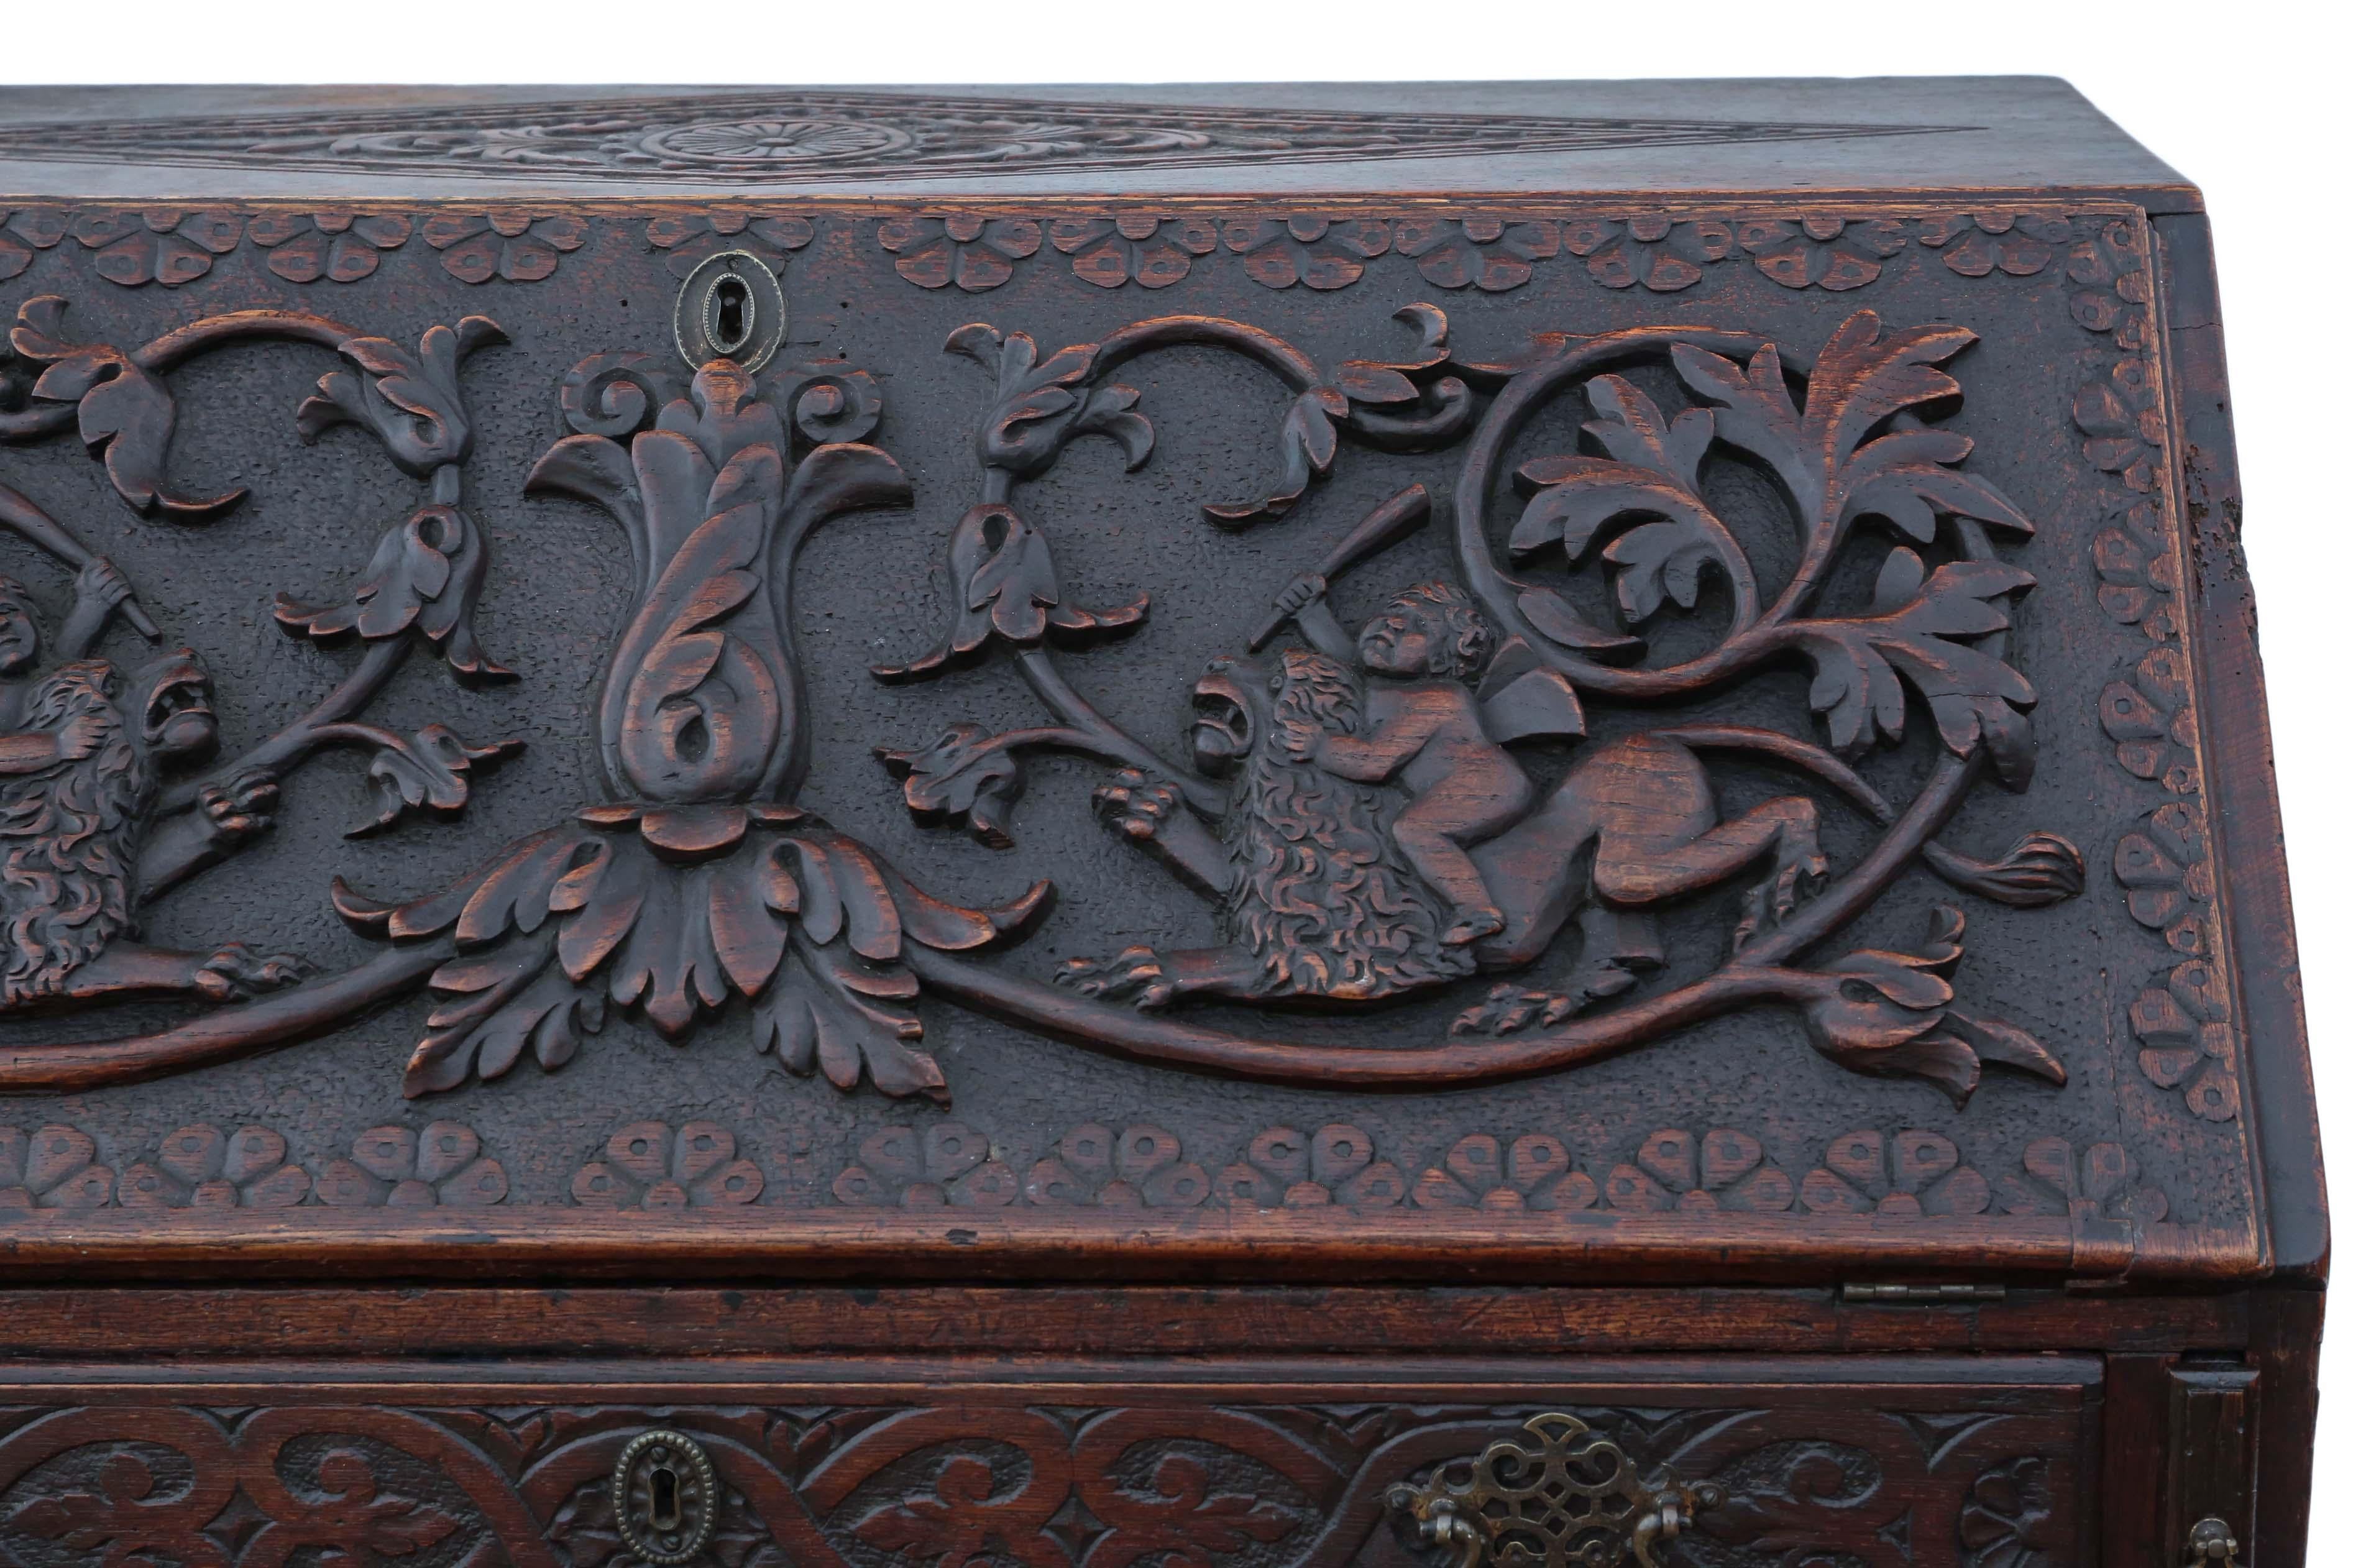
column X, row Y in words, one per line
column 1983, row 1463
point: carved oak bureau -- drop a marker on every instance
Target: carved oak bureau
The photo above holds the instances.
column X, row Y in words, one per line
column 1206, row 827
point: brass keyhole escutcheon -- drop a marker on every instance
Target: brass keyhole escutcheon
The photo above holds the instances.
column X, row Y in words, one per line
column 663, row 1495
column 730, row 308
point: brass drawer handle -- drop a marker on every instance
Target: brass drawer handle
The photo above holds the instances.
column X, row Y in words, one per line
column 2212, row 1545
column 1558, row 1496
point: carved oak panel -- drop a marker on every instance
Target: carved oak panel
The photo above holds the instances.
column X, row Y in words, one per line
column 1175, row 732
column 1990, row 1469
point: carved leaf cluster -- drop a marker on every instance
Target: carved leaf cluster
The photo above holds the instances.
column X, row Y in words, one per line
column 1823, row 250
column 25, row 231
column 1407, row 403
column 1040, row 406
column 969, row 771
column 440, row 1165
column 516, row 246
column 1917, row 630
column 947, row 1163
column 1919, row 624
column 52, row 1167
column 1134, row 248
column 690, row 238
column 201, row 1166
column 344, row 247
column 1644, row 500
column 124, row 410
column 963, row 249
column 673, row 921
column 700, row 701
column 411, row 400
column 426, row 770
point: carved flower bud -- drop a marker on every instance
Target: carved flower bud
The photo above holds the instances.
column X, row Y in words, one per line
column 1004, row 583
column 426, row 573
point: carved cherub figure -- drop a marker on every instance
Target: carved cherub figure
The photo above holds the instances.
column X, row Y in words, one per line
column 98, row 588
column 1425, row 730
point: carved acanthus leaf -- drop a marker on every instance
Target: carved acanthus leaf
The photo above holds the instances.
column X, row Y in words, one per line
column 411, row 400
column 123, row 409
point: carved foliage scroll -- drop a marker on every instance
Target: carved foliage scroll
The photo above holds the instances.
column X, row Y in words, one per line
column 1109, row 1482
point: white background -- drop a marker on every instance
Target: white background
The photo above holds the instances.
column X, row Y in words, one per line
column 2260, row 104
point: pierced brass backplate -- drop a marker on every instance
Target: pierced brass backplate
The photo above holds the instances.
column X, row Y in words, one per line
column 1555, row 1495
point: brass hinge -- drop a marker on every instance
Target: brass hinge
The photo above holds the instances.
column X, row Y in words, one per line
column 1924, row 1295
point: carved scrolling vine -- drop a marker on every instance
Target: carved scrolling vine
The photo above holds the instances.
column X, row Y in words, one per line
column 1350, row 806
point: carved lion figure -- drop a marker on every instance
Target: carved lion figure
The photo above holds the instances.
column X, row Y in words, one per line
column 71, row 839
column 1321, row 897
column 1316, row 901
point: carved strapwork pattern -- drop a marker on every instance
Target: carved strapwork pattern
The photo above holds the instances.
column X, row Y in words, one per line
column 1660, row 252
column 2182, row 1024
column 25, row 231
column 1907, row 1175
column 651, row 1165
column 689, row 239
column 825, row 1484
column 204, row 1167
column 516, row 246
column 972, row 252
column 341, row 247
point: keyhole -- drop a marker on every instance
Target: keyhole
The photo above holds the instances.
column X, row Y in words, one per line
column 730, row 317
column 667, row 1499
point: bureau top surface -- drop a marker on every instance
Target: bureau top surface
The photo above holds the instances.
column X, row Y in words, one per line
column 1792, row 136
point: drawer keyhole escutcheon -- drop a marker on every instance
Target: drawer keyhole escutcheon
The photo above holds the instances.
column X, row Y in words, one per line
column 1555, row 1495
column 730, row 308
column 662, row 1494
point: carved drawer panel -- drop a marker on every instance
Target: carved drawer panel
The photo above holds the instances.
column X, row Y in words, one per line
column 1976, row 1462
column 714, row 712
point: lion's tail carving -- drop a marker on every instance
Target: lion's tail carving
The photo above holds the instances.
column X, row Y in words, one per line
column 2039, row 868
column 1321, row 894
column 68, row 840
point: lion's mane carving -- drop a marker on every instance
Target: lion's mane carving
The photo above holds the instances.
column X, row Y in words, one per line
column 68, row 837
column 1320, row 896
